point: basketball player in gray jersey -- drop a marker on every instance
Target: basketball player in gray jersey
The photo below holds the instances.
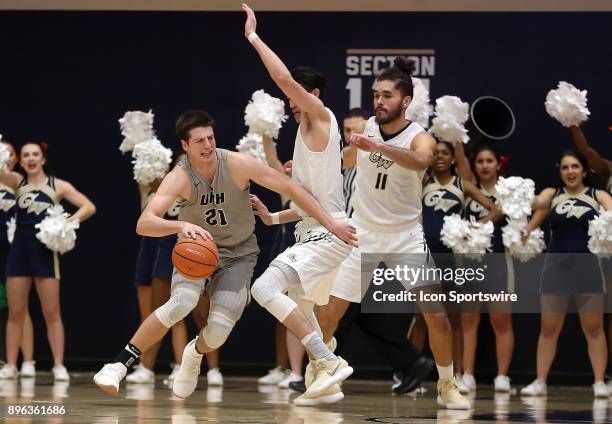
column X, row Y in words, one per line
column 212, row 186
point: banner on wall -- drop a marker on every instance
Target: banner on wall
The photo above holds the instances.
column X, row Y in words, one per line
column 363, row 65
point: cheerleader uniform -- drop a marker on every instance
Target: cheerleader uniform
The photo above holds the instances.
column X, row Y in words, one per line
column 498, row 268
column 146, row 254
column 162, row 268
column 29, row 257
column 7, row 211
column 440, row 201
column 569, row 267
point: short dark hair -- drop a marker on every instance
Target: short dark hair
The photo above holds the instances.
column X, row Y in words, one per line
column 401, row 72
column 310, row 78
column 356, row 112
column 190, row 120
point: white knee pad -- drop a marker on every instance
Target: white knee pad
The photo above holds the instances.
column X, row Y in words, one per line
column 181, row 302
column 269, row 291
column 225, row 310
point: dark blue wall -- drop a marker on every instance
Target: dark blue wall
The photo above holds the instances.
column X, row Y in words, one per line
column 67, row 77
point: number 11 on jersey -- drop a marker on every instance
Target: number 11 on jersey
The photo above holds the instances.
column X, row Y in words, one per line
column 381, row 181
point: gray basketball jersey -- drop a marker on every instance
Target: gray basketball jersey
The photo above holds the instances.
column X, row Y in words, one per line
column 221, row 208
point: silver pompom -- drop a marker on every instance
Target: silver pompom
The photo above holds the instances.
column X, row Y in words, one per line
column 514, row 196
column 420, row 108
column 136, row 128
column 600, row 234
column 567, row 104
column 512, row 235
column 449, row 122
column 151, row 161
column 56, row 232
column 264, row 114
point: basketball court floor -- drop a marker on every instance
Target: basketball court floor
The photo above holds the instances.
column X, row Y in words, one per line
column 242, row 401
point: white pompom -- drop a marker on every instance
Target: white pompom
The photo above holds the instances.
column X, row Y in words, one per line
column 512, row 238
column 451, row 116
column 600, row 234
column 56, row 232
column 5, row 153
column 514, row 196
column 264, row 114
column 136, row 128
column 471, row 239
column 11, row 226
column 151, row 161
column 252, row 145
column 420, row 108
column 567, row 104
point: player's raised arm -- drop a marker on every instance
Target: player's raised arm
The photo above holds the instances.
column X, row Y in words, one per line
column 151, row 222
column 306, row 101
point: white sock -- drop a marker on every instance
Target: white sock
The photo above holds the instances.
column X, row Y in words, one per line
column 314, row 345
column 445, row 372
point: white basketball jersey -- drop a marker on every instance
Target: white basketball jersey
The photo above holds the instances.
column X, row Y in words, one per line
column 320, row 172
column 387, row 196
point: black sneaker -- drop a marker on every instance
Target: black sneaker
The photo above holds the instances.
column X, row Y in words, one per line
column 298, row 386
column 411, row 377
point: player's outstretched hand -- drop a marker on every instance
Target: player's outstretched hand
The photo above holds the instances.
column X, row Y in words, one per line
column 260, row 210
column 193, row 232
column 344, row 231
column 251, row 22
column 364, row 142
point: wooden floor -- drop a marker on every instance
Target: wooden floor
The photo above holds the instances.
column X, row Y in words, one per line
column 242, row 401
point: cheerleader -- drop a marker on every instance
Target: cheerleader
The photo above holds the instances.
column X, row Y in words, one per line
column 445, row 194
column 7, row 212
column 570, row 270
column 603, row 168
column 29, row 260
column 483, row 171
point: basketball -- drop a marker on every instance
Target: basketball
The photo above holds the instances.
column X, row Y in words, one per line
column 195, row 259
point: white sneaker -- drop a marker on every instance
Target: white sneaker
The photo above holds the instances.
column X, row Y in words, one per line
column 186, row 378
column 463, row 389
column 449, row 396
column 110, row 376
column 537, row 388
column 290, row 378
column 8, row 372
column 502, row 383
column 214, row 377
column 332, row 395
column 274, row 376
column 327, row 373
column 175, row 369
column 469, row 381
column 60, row 373
column 28, row 369
column 141, row 375
column 600, row 390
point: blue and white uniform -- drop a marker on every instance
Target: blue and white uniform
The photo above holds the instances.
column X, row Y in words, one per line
column 28, row 257
column 499, row 271
column 569, row 267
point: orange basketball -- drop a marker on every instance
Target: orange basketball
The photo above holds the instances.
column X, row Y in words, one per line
column 195, row 259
